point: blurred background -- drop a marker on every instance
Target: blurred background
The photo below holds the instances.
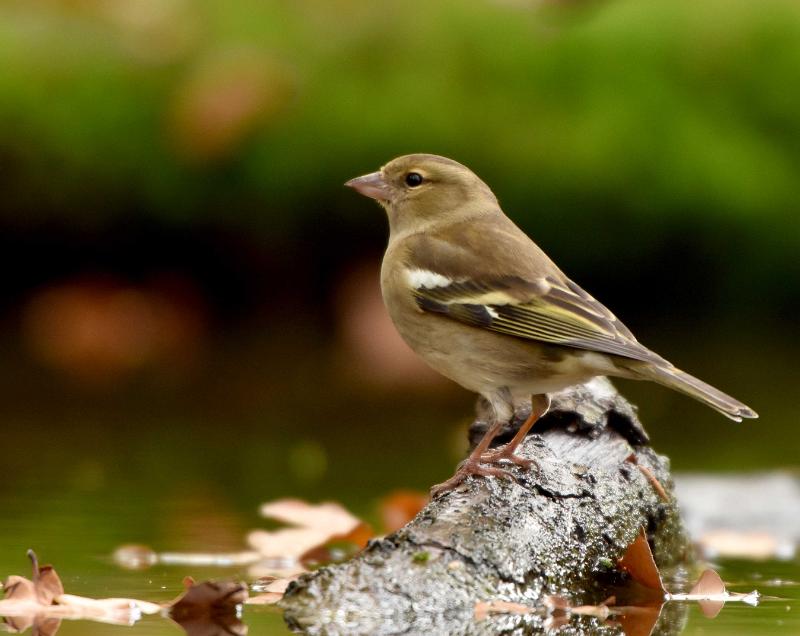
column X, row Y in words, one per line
column 190, row 314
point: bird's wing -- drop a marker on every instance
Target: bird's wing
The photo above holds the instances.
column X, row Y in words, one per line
column 534, row 302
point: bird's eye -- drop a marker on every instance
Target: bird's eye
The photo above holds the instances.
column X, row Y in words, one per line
column 413, row 179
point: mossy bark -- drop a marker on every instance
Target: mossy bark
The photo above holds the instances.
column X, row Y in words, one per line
column 559, row 528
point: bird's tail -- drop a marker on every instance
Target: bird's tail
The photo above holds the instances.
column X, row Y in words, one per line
column 674, row 378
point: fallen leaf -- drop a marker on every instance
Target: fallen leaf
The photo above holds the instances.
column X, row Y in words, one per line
column 265, row 598
column 558, row 605
column 16, row 623
column 484, row 609
column 709, row 583
column 40, row 603
column 209, row 608
column 208, row 597
column 111, row 610
column 203, row 609
column 598, row 611
column 636, row 620
column 638, row 561
column 45, row 594
column 288, row 543
column 18, row 588
column 43, row 587
column 711, row 595
column 271, row 593
column 284, row 552
column 224, row 625
column 401, row 506
column 45, row 580
column 710, row 609
column 26, row 600
column 312, row 526
column 327, row 515
column 46, row 626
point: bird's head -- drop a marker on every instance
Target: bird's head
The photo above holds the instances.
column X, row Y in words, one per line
column 420, row 188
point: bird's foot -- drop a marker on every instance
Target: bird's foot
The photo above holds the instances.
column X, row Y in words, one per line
column 507, row 454
column 466, row 468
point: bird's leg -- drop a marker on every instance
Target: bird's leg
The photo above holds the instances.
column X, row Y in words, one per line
column 539, row 406
column 472, row 464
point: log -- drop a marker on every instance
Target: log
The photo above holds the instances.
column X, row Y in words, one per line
column 558, row 529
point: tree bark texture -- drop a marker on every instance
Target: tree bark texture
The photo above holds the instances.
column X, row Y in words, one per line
column 559, row 528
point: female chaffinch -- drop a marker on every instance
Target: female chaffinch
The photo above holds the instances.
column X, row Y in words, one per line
column 482, row 304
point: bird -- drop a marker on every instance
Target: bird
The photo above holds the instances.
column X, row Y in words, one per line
column 483, row 305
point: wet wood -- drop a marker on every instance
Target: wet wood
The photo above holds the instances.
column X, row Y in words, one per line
column 558, row 529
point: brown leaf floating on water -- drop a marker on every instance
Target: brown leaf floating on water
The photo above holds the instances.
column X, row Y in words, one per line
column 484, row 609
column 18, row 588
column 208, row 597
column 45, row 626
column 204, row 609
column 270, row 592
column 312, row 526
column 40, row 603
column 283, row 553
column 711, row 595
column 209, row 608
column 559, row 606
column 42, row 589
column 26, row 599
column 636, row 620
column 709, row 584
column 638, row 561
column 555, row 606
column 46, row 582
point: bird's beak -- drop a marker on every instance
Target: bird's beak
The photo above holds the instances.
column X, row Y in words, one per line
column 371, row 185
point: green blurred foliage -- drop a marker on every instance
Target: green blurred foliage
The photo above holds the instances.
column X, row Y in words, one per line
column 668, row 108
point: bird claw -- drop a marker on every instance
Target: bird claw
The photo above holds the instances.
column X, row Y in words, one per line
column 465, row 469
column 495, row 456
